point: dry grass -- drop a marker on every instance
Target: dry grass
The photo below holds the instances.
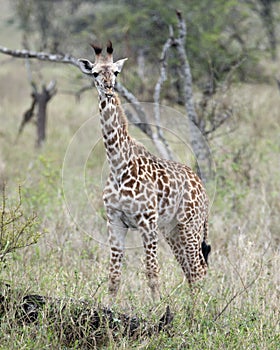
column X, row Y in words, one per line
column 237, row 306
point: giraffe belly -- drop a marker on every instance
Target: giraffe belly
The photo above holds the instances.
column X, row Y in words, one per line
column 134, row 208
column 167, row 215
column 133, row 212
column 134, row 220
column 130, row 221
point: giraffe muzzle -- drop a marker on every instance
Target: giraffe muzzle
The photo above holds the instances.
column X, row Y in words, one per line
column 109, row 94
column 109, row 91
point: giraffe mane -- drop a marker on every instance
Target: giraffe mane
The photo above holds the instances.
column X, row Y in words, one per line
column 121, row 112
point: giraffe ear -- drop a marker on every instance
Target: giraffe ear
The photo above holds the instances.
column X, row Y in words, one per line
column 119, row 64
column 85, row 65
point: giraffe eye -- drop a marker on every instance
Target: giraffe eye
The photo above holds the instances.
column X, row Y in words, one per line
column 95, row 74
column 116, row 73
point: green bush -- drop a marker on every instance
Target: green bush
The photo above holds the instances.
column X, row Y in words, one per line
column 17, row 230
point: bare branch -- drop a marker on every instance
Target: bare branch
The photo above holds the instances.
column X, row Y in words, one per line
column 42, row 56
column 28, row 115
column 198, row 143
column 50, row 89
column 186, row 71
column 77, row 94
column 278, row 83
column 140, row 120
column 51, row 86
column 162, row 78
column 140, row 113
column 82, row 90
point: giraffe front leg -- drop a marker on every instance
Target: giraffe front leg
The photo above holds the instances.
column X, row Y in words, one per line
column 150, row 240
column 117, row 233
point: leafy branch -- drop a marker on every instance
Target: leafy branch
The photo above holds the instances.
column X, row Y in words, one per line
column 16, row 230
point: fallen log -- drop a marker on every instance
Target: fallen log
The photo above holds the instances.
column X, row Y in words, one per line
column 78, row 321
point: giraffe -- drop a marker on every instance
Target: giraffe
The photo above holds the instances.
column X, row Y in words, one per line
column 145, row 192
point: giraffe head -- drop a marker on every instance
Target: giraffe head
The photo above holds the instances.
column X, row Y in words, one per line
column 103, row 71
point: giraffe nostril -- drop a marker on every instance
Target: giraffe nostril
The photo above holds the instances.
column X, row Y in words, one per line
column 109, row 90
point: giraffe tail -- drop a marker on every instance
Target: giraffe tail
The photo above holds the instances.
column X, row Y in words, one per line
column 206, row 248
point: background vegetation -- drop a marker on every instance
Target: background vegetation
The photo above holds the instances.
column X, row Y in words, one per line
column 237, row 306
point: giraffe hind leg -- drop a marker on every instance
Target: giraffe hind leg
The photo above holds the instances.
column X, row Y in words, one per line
column 188, row 251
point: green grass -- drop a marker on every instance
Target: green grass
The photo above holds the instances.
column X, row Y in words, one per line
column 237, row 305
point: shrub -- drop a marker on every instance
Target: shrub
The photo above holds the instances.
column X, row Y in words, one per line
column 17, row 230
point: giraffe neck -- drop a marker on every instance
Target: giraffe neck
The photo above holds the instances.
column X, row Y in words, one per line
column 115, row 134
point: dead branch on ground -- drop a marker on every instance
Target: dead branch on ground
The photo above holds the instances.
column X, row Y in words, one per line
column 75, row 321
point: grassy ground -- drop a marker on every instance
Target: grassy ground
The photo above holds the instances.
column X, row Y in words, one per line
column 236, row 307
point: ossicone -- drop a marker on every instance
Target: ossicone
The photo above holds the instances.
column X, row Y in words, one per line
column 97, row 49
column 109, row 47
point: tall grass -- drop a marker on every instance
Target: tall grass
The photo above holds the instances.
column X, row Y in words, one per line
column 236, row 307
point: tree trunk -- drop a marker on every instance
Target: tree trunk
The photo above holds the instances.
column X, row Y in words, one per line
column 266, row 13
column 197, row 140
column 42, row 99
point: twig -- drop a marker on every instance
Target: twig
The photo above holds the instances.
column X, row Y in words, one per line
column 237, row 294
column 82, row 90
column 98, row 287
column 218, row 123
column 222, row 134
column 231, row 72
column 77, row 94
column 245, row 288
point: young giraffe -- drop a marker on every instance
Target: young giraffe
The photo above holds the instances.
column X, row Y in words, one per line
column 146, row 192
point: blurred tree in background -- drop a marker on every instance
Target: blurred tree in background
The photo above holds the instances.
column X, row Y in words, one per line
column 221, row 33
